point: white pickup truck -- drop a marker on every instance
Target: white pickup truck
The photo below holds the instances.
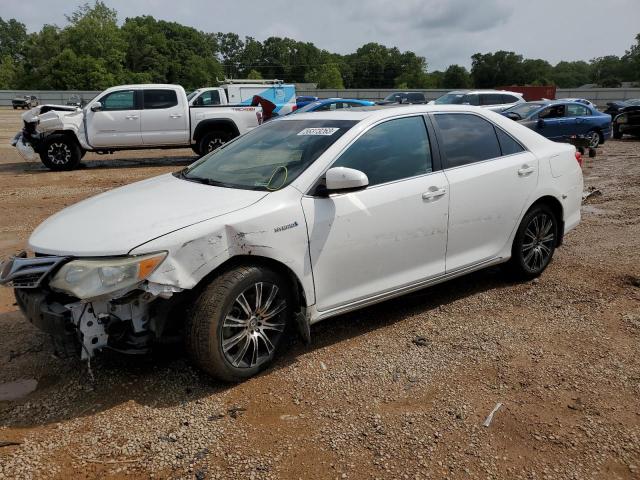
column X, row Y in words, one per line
column 129, row 117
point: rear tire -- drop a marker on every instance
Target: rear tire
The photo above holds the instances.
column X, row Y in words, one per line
column 60, row 153
column 213, row 140
column 617, row 134
column 595, row 138
column 534, row 243
column 237, row 322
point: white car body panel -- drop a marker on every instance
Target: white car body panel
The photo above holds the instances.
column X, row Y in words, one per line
column 346, row 250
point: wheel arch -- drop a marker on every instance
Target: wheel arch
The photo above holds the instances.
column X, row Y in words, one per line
column 300, row 320
column 558, row 210
column 206, row 126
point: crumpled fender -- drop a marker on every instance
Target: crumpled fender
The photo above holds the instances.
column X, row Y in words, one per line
column 55, row 118
column 271, row 229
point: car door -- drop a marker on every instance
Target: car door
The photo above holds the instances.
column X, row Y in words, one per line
column 577, row 119
column 389, row 235
column 117, row 122
column 491, row 177
column 164, row 119
column 553, row 124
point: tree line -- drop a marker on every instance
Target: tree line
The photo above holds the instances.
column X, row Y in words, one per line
column 93, row 52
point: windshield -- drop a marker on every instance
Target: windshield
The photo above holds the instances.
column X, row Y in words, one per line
column 269, row 157
column 451, row 99
column 633, row 102
column 523, row 110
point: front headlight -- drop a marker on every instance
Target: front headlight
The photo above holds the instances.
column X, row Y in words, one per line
column 621, row 119
column 88, row 278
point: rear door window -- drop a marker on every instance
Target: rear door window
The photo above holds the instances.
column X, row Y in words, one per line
column 508, row 145
column 490, row 99
column 466, row 138
column 577, row 111
column 157, row 99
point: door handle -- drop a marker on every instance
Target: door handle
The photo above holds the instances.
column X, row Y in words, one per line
column 131, row 117
column 525, row 170
column 175, row 115
column 433, row 193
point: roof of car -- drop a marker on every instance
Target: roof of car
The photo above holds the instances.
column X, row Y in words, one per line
column 379, row 112
column 469, row 91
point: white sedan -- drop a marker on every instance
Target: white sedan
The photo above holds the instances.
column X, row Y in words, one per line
column 297, row 221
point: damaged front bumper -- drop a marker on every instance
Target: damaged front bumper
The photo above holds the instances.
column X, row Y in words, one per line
column 128, row 323
column 24, row 147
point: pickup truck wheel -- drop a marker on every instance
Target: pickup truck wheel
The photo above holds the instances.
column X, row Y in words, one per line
column 212, row 140
column 534, row 243
column 15, row 108
column 59, row 152
column 235, row 327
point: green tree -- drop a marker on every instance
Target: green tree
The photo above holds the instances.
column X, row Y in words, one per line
column 254, row 75
column 13, row 36
column 501, row 68
column 325, row 76
column 571, row 74
column 8, row 74
column 536, row 71
column 456, row 77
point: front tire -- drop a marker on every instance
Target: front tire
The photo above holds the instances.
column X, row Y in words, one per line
column 237, row 322
column 60, row 152
column 534, row 243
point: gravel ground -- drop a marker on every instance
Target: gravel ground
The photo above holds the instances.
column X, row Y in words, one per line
column 400, row 390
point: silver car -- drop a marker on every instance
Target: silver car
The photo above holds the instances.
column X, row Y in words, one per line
column 496, row 100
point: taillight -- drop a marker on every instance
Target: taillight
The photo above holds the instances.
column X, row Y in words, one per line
column 579, row 158
column 294, row 108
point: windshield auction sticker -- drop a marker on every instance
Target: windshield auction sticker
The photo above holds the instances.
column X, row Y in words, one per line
column 319, row 131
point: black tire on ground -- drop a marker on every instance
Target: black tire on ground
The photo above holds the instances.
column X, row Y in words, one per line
column 225, row 335
column 196, row 148
column 617, row 134
column 534, row 243
column 592, row 153
column 60, row 152
column 15, row 108
column 212, row 140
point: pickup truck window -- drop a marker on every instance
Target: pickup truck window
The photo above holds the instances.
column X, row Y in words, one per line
column 154, row 99
column 212, row 97
column 119, row 100
column 269, row 157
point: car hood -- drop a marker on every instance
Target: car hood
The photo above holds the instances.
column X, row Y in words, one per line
column 115, row 222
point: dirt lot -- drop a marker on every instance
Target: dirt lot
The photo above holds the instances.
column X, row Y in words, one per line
column 368, row 398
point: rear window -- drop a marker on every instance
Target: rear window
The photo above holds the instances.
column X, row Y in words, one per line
column 415, row 97
column 466, row 138
column 154, row 99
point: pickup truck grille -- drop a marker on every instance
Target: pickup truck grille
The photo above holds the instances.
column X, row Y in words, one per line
column 22, row 272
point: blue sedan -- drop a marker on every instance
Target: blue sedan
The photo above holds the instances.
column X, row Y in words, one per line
column 334, row 104
column 561, row 120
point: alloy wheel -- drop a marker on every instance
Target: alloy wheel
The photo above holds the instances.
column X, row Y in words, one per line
column 59, row 153
column 213, row 144
column 252, row 328
column 594, row 139
column 539, row 238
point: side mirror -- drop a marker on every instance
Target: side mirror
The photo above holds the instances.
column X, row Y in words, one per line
column 343, row 179
column 96, row 107
column 540, row 123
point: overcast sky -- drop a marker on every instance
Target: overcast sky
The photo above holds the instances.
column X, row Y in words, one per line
column 443, row 31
